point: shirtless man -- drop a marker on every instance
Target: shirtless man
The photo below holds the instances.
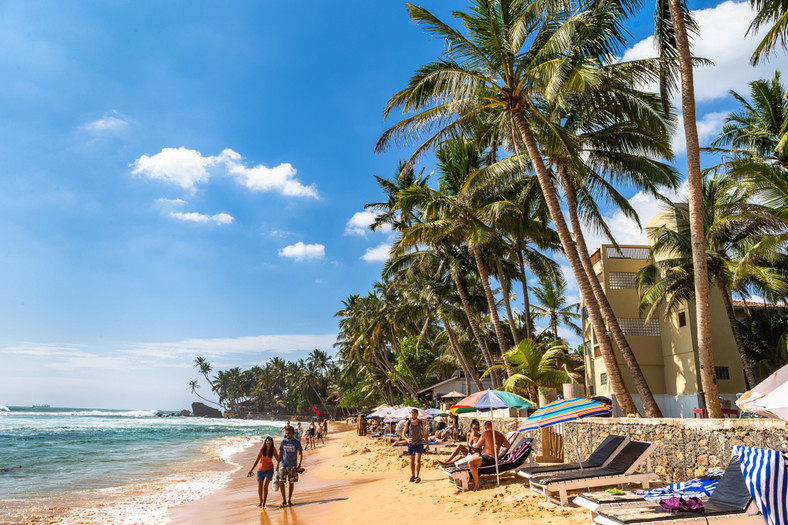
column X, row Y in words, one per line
column 490, row 443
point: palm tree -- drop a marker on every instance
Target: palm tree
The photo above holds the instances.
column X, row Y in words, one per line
column 740, row 239
column 755, row 138
column 772, row 12
column 551, row 293
column 194, row 385
column 533, row 367
column 488, row 67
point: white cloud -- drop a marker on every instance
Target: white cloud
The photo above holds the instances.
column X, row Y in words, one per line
column 625, row 230
column 219, row 218
column 360, row 222
column 721, row 39
column 303, row 252
column 171, row 202
column 110, row 122
column 187, row 168
column 708, row 129
column 181, row 166
column 379, row 253
column 209, row 348
column 92, row 361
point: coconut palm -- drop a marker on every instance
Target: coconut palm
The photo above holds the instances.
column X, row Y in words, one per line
column 741, row 239
column 551, row 294
column 774, row 13
column 533, row 366
column 508, row 57
column 194, row 385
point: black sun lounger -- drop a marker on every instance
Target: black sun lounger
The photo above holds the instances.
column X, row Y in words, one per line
column 604, row 452
column 619, row 470
column 513, row 459
column 730, row 501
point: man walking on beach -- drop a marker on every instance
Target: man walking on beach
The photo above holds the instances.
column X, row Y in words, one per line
column 415, row 435
column 490, row 444
column 292, row 455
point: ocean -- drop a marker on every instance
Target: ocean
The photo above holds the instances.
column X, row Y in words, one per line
column 87, row 466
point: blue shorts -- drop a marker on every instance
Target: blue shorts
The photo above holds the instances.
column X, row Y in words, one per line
column 264, row 474
column 415, row 449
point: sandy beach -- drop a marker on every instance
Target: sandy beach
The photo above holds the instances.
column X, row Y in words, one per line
column 350, row 477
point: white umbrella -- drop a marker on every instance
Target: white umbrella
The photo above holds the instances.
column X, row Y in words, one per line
column 404, row 413
column 381, row 411
column 769, row 398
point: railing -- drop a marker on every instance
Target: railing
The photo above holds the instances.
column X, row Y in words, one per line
column 627, row 253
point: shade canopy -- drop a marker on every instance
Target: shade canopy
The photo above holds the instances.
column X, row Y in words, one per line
column 381, row 411
column 404, row 413
column 769, row 398
column 565, row 410
column 435, row 412
column 490, row 400
column 453, row 395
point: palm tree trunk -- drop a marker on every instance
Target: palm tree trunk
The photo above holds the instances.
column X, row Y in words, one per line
column 526, row 302
column 726, row 299
column 408, row 386
column 554, row 207
column 697, row 231
column 507, row 303
column 650, row 406
column 466, row 306
column 397, row 349
column 485, row 278
column 455, row 345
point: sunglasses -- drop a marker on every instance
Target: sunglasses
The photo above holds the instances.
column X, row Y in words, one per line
column 474, row 428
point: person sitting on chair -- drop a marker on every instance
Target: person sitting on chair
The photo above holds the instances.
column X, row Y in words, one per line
column 461, row 451
column 490, row 444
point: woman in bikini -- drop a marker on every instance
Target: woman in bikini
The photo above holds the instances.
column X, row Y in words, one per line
column 461, row 451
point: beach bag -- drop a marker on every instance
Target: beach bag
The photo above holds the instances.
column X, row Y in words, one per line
column 692, row 504
column 275, row 481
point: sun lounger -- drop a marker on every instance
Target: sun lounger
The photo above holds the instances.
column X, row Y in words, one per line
column 517, row 454
column 619, row 470
column 605, row 452
column 730, row 503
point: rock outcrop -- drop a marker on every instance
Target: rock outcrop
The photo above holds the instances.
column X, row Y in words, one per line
column 203, row 410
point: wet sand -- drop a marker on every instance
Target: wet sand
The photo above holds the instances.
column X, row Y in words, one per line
column 353, row 479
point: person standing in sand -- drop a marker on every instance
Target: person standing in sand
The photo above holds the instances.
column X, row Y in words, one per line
column 265, row 470
column 490, row 444
column 284, row 428
column 291, row 455
column 415, row 435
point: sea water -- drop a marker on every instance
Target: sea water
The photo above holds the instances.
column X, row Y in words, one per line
column 113, row 466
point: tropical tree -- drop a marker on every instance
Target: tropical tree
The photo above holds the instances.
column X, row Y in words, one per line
column 741, row 238
column 764, row 333
column 194, row 386
column 551, row 294
column 774, row 13
column 534, row 366
column 508, row 59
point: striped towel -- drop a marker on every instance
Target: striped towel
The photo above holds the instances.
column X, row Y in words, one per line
column 766, row 475
column 698, row 487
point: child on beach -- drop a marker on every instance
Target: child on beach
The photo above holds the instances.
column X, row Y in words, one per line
column 265, row 470
column 299, row 432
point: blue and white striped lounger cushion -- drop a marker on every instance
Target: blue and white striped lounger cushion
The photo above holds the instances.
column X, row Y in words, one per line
column 766, row 475
column 699, row 488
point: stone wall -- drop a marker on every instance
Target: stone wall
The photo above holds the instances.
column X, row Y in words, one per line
column 686, row 448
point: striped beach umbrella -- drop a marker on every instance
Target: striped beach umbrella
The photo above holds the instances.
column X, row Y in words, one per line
column 564, row 410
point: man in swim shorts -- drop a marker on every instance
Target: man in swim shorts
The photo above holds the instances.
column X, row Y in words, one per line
column 490, row 444
column 415, row 435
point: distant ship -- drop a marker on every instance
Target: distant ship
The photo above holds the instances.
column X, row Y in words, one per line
column 40, row 406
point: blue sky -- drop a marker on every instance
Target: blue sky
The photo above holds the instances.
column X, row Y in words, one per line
column 187, row 178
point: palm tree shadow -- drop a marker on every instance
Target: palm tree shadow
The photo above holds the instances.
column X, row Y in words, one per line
column 314, row 502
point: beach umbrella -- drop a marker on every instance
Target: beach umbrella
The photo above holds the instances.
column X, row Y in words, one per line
column 381, row 411
column 769, row 398
column 434, row 412
column 404, row 413
column 565, row 410
column 487, row 401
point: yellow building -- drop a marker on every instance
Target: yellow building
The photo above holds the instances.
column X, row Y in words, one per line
column 666, row 346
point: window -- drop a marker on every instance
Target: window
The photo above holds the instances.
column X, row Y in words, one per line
column 592, row 390
column 639, row 327
column 722, row 372
column 623, row 280
column 585, row 313
column 603, row 378
column 587, row 348
column 682, row 319
column 597, row 352
column 627, row 253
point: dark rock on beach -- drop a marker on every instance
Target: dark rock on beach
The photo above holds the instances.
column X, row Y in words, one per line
column 203, row 410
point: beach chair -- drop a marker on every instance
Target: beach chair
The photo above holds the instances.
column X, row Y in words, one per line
column 516, row 455
column 619, row 470
column 730, row 503
column 603, row 454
